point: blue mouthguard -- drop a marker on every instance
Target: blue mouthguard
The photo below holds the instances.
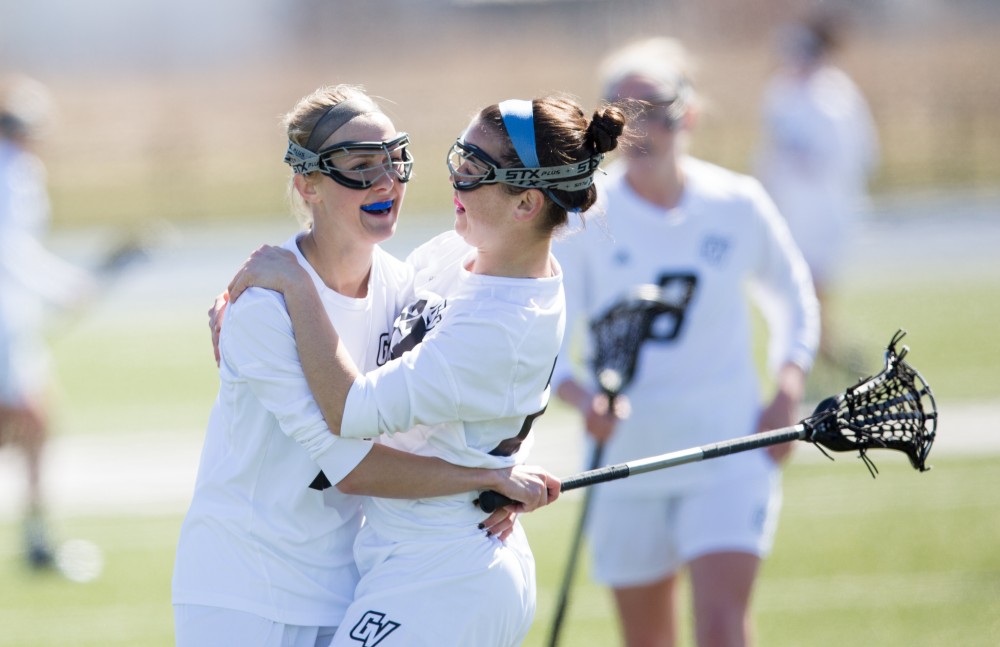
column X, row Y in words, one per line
column 377, row 206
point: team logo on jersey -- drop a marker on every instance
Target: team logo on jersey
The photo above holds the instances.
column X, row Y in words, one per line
column 372, row 628
column 622, row 256
column 384, row 349
column 412, row 325
column 715, row 249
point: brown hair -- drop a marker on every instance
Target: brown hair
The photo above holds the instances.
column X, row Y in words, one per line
column 563, row 135
column 826, row 27
column 26, row 108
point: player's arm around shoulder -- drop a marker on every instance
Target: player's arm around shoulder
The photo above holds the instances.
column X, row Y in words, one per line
column 323, row 359
column 460, row 371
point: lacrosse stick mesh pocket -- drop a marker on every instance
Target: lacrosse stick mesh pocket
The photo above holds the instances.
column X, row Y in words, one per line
column 892, row 410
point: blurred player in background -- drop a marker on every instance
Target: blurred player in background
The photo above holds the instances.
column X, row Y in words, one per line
column 469, row 371
column 669, row 217
column 265, row 553
column 817, row 152
column 32, row 280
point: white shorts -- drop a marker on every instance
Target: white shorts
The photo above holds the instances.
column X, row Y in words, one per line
column 639, row 541
column 203, row 626
column 24, row 368
column 468, row 591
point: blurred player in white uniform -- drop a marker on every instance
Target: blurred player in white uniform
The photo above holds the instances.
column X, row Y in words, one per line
column 471, row 368
column 265, row 552
column 673, row 220
column 33, row 281
column 818, row 149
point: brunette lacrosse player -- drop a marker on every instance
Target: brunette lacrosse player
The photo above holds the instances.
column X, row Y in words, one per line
column 705, row 233
column 265, row 555
column 469, row 370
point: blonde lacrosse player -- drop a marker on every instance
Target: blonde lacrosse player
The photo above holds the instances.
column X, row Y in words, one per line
column 683, row 223
column 265, row 556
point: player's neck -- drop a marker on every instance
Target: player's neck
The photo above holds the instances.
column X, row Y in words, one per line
column 662, row 185
column 344, row 268
column 515, row 259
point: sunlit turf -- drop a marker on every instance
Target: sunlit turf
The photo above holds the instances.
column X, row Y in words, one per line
column 949, row 333
column 905, row 559
column 127, row 378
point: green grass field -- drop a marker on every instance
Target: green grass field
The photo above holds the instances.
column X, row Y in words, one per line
column 906, row 559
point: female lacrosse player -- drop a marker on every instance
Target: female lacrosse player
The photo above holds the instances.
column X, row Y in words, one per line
column 472, row 357
column 32, row 282
column 265, row 552
column 685, row 224
column 818, row 149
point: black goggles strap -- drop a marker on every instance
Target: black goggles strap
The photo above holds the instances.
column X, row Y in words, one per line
column 335, row 117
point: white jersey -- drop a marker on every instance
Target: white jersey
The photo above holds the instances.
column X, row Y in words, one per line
column 257, row 537
column 473, row 359
column 697, row 383
column 818, row 149
column 471, row 369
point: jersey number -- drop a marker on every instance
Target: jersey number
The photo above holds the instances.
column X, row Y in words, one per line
column 678, row 290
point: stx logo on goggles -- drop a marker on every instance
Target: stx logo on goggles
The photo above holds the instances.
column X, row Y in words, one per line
column 565, row 177
column 520, row 174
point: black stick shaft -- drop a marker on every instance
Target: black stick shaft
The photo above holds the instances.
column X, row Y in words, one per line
column 574, row 554
column 490, row 501
column 695, row 454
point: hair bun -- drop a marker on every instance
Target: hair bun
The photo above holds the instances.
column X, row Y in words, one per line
column 606, row 126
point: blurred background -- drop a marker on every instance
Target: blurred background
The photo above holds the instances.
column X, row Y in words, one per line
column 171, row 109
column 167, row 125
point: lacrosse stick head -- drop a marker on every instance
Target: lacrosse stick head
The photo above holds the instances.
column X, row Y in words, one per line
column 136, row 246
column 892, row 410
column 645, row 312
column 618, row 334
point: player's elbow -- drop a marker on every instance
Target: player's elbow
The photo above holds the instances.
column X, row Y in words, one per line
column 353, row 483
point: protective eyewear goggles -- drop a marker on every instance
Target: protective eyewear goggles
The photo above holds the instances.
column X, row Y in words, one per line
column 356, row 165
column 666, row 108
column 665, row 113
column 471, row 167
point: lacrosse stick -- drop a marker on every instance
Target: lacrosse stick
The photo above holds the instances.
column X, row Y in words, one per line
column 618, row 335
column 892, row 410
column 125, row 252
column 121, row 257
column 134, row 247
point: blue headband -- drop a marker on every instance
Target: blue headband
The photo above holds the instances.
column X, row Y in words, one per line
column 520, row 125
